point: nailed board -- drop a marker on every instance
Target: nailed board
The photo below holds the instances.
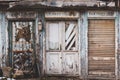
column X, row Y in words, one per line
column 70, row 14
column 101, row 14
column 21, row 15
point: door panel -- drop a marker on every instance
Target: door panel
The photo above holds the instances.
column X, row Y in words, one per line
column 70, row 63
column 101, row 47
column 53, row 62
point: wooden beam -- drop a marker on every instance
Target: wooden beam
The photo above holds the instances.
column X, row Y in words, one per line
column 69, row 39
column 117, row 31
column 71, row 43
column 84, row 45
column 69, row 30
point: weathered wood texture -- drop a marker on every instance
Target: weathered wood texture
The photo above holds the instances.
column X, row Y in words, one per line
column 3, row 39
column 84, row 45
column 101, row 48
column 118, row 43
column 40, row 42
column 0, row 39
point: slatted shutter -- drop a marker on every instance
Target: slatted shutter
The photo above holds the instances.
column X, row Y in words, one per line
column 101, row 47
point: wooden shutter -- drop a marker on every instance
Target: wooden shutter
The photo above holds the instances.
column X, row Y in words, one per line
column 101, row 47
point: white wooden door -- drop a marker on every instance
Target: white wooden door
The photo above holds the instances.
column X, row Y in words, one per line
column 62, row 48
column 53, row 47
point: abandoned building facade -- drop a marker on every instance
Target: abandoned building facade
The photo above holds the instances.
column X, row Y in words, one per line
column 70, row 38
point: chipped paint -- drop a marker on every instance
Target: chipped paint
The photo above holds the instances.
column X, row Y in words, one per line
column 103, row 58
column 21, row 15
column 62, row 4
column 3, row 46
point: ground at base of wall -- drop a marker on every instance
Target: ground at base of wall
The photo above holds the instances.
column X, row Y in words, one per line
column 56, row 78
column 51, row 78
column 30, row 79
column 67, row 78
column 60, row 78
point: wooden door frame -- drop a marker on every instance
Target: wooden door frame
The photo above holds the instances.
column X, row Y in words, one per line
column 116, row 38
column 83, row 41
column 10, row 36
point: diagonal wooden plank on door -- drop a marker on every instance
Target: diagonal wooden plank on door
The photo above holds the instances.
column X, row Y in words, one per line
column 69, row 39
column 72, row 42
column 69, row 30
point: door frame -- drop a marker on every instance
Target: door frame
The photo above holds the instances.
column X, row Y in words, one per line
column 114, row 37
column 115, row 18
